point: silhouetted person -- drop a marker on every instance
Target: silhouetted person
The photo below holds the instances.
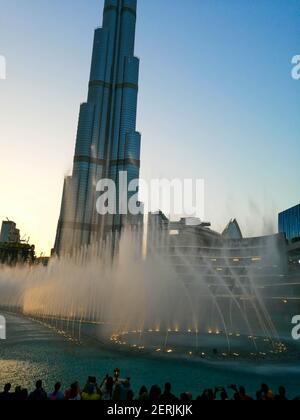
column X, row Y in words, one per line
column 73, row 394
column 24, row 394
column 6, row 395
column 125, row 387
column 117, row 393
column 17, row 394
column 167, row 395
column 92, row 380
column 208, row 395
column 281, row 394
column 130, row 396
column 38, row 394
column 224, row 396
column 56, row 395
column 107, row 388
column 117, row 374
column 143, row 394
column 155, row 393
column 90, row 393
column 265, row 393
column 20, row 394
column 186, row 398
column 241, row 394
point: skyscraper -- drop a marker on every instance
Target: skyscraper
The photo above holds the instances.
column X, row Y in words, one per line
column 107, row 141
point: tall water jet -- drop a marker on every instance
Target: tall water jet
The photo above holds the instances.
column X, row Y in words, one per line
column 146, row 301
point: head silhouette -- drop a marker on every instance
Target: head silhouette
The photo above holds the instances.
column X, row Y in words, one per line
column 7, row 387
column 168, row 388
column 57, row 386
column 39, row 384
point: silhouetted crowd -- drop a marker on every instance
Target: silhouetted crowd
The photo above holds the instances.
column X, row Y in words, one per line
column 113, row 388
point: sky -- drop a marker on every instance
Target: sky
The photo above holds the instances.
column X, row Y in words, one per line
column 216, row 101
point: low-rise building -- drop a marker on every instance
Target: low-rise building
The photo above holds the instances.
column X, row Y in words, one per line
column 12, row 250
column 9, row 233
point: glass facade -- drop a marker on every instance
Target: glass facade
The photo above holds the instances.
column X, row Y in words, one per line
column 289, row 223
column 107, row 141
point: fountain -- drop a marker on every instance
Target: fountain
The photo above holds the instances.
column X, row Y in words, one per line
column 143, row 304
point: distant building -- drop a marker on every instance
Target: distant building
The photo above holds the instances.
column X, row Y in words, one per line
column 9, row 233
column 12, row 250
column 16, row 253
column 232, row 230
column 289, row 223
column 294, row 255
column 198, row 250
column 199, row 255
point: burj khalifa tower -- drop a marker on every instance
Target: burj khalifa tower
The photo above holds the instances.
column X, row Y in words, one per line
column 107, row 141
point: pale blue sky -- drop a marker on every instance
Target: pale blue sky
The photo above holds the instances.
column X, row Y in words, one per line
column 216, row 101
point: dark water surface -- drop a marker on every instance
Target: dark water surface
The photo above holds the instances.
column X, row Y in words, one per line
column 32, row 351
